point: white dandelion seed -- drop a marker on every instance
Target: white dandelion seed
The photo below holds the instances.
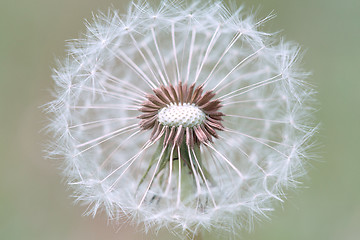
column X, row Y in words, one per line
column 184, row 117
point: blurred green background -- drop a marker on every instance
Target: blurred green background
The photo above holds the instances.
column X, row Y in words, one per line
column 34, row 204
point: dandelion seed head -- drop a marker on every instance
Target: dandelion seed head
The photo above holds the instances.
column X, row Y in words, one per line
column 186, row 117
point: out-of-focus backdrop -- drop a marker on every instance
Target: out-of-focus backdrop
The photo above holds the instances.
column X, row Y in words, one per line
column 34, row 203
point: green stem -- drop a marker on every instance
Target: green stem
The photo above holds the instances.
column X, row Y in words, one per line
column 190, row 236
column 198, row 237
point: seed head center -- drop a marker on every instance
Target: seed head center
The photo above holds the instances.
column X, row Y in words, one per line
column 187, row 115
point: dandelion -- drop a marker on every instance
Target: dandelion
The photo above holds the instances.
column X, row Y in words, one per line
column 186, row 117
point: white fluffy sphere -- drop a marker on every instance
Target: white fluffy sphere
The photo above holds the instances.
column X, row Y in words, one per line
column 230, row 173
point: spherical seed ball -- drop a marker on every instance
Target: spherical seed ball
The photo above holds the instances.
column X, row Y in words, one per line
column 113, row 162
